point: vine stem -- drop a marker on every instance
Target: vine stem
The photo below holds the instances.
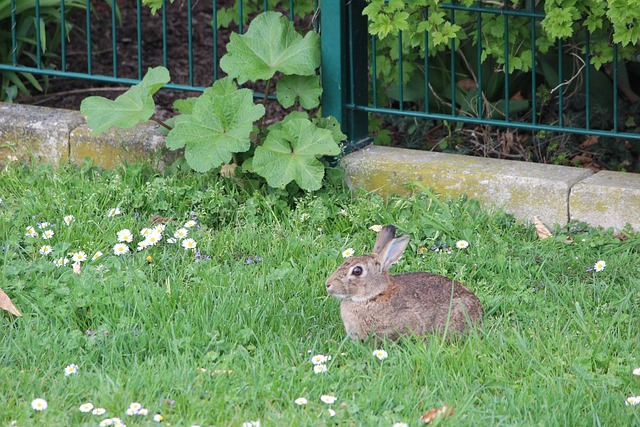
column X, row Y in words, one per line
column 265, row 99
column 161, row 123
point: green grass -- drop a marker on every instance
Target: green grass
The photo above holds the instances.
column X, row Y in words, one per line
column 558, row 346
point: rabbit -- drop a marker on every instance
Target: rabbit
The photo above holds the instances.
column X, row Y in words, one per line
column 375, row 302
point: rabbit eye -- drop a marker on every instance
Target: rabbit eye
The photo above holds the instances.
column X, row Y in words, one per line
column 357, row 271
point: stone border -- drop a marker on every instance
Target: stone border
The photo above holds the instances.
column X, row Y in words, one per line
column 60, row 136
column 555, row 193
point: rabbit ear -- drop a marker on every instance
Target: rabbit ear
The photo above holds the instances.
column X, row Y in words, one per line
column 393, row 250
column 385, row 235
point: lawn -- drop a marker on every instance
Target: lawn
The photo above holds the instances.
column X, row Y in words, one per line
column 226, row 333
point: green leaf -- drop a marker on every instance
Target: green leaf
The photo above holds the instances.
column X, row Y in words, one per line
column 132, row 107
column 185, row 106
column 291, row 153
column 271, row 44
column 219, row 125
column 331, row 123
column 305, row 89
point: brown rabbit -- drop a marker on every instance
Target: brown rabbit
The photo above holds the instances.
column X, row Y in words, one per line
column 375, row 302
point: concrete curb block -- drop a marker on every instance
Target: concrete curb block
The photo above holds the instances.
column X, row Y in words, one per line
column 556, row 194
column 60, row 136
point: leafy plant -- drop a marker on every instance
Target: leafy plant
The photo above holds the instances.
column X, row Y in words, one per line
column 217, row 128
column 428, row 28
column 50, row 28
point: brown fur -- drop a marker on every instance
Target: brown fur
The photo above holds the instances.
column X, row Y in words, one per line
column 413, row 303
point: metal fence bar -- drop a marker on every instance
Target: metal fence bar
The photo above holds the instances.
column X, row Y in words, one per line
column 560, row 86
column 139, row 36
column 14, row 38
column 479, row 62
column 214, row 5
column 63, row 38
column 452, row 58
column 615, row 88
column 534, row 97
column 190, row 40
column 426, row 65
column 114, row 40
column 89, row 44
column 374, row 72
column 38, row 37
column 400, row 73
column 587, row 88
column 506, row 67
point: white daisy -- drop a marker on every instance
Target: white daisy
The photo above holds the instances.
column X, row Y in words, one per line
column 43, row 225
column 135, row 406
column 631, row 400
column 348, row 252
column 79, row 256
column 462, row 244
column 45, row 250
column 318, row 369
column 332, row 413
column 189, row 244
column 68, row 219
column 97, row 255
column 319, row 359
column 190, row 224
column 120, row 248
column 153, row 238
column 47, row 234
column 301, row 401
column 380, row 354
column 70, row 369
column 181, row 233
column 328, row 399
column 86, row 407
column 31, row 232
column 125, row 236
column 636, row 371
column 600, row 265
column 61, row 262
column 98, row 411
column 39, row 404
column 158, row 418
column 113, row 212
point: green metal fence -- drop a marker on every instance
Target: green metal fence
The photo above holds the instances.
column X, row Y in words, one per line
column 350, row 70
column 353, row 72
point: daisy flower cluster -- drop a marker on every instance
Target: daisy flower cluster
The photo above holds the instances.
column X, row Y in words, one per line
column 320, row 363
column 148, row 237
column 633, row 400
column 135, row 409
column 328, row 399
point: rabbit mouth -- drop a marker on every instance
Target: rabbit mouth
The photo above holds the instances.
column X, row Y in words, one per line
column 340, row 296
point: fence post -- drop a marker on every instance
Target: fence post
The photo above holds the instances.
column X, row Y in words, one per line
column 344, row 42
